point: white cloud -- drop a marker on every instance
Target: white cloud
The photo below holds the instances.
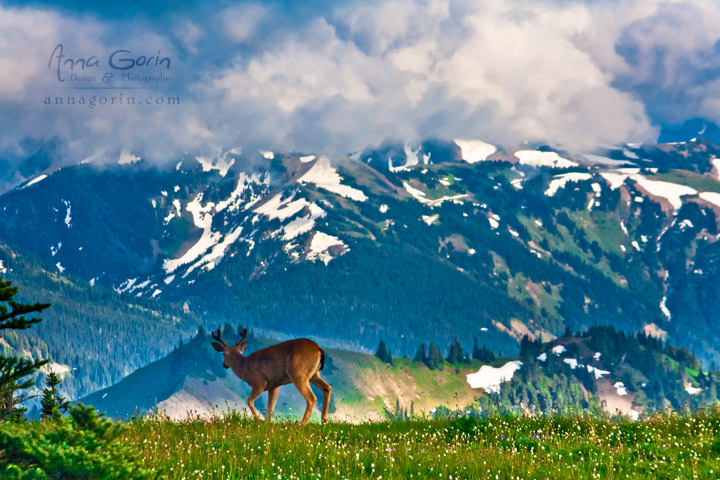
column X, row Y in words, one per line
column 569, row 74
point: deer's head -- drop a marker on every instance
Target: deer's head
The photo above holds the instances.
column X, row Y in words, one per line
column 232, row 354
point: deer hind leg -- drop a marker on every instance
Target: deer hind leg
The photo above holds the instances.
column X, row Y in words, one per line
column 326, row 389
column 254, row 394
column 272, row 398
column 303, row 386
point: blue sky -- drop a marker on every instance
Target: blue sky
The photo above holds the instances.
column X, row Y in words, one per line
column 338, row 76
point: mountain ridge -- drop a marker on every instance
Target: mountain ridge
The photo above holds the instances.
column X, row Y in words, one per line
column 340, row 248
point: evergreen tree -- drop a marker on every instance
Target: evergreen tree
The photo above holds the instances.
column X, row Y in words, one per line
column 52, row 402
column 435, row 358
column 456, row 354
column 421, row 354
column 383, row 353
column 15, row 370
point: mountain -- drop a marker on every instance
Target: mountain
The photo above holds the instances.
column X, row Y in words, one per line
column 599, row 369
column 93, row 335
column 690, row 129
column 406, row 243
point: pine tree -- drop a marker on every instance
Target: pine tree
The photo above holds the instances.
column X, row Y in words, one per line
column 421, row 354
column 15, row 370
column 383, row 353
column 456, row 354
column 435, row 358
column 52, row 402
column 476, row 350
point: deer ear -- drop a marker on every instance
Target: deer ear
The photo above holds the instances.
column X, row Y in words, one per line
column 243, row 346
column 217, row 347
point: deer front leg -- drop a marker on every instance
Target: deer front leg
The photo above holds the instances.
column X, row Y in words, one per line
column 254, row 394
column 272, row 398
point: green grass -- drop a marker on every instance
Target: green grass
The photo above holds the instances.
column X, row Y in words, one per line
column 701, row 183
column 666, row 445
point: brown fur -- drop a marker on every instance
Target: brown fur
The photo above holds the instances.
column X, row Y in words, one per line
column 297, row 361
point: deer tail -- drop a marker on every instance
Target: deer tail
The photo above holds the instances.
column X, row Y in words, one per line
column 322, row 359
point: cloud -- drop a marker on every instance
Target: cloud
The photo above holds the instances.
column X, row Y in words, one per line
column 335, row 79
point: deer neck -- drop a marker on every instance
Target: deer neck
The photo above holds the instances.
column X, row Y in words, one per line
column 238, row 365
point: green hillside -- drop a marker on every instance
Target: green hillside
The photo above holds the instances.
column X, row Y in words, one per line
column 93, row 335
column 191, row 379
column 600, row 369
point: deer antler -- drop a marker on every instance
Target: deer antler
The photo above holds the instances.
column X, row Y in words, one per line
column 242, row 338
column 216, row 336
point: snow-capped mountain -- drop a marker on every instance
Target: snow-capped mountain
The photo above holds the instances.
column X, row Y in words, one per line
column 403, row 242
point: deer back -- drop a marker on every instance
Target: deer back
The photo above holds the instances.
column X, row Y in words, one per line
column 276, row 364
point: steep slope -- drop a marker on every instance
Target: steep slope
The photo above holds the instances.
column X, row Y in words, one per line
column 93, row 335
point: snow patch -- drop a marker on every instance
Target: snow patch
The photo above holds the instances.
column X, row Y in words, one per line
column 280, row 208
column 558, row 349
column 127, row 158
column 543, row 159
column 320, row 246
column 542, row 357
column 559, row 181
column 307, row 158
column 620, row 387
column 383, row 208
column 614, row 180
column 303, row 224
column 711, row 197
column 233, row 202
column 572, row 362
column 221, row 163
column 411, row 156
column 686, row 224
column 663, row 307
column 598, row 373
column 490, row 378
column 473, row 151
column 35, row 180
column 630, row 154
column 202, row 217
column 60, row 267
column 430, row 219
column 2, row 267
column 325, row 176
column 68, row 214
column 212, row 259
column 494, row 220
column 420, row 196
column 670, row 191
column 267, row 155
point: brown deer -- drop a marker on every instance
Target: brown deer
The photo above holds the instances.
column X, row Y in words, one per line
column 297, row 361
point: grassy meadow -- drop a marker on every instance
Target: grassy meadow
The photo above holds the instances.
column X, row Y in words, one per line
column 665, row 446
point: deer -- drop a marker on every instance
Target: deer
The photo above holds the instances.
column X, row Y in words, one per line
column 296, row 361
